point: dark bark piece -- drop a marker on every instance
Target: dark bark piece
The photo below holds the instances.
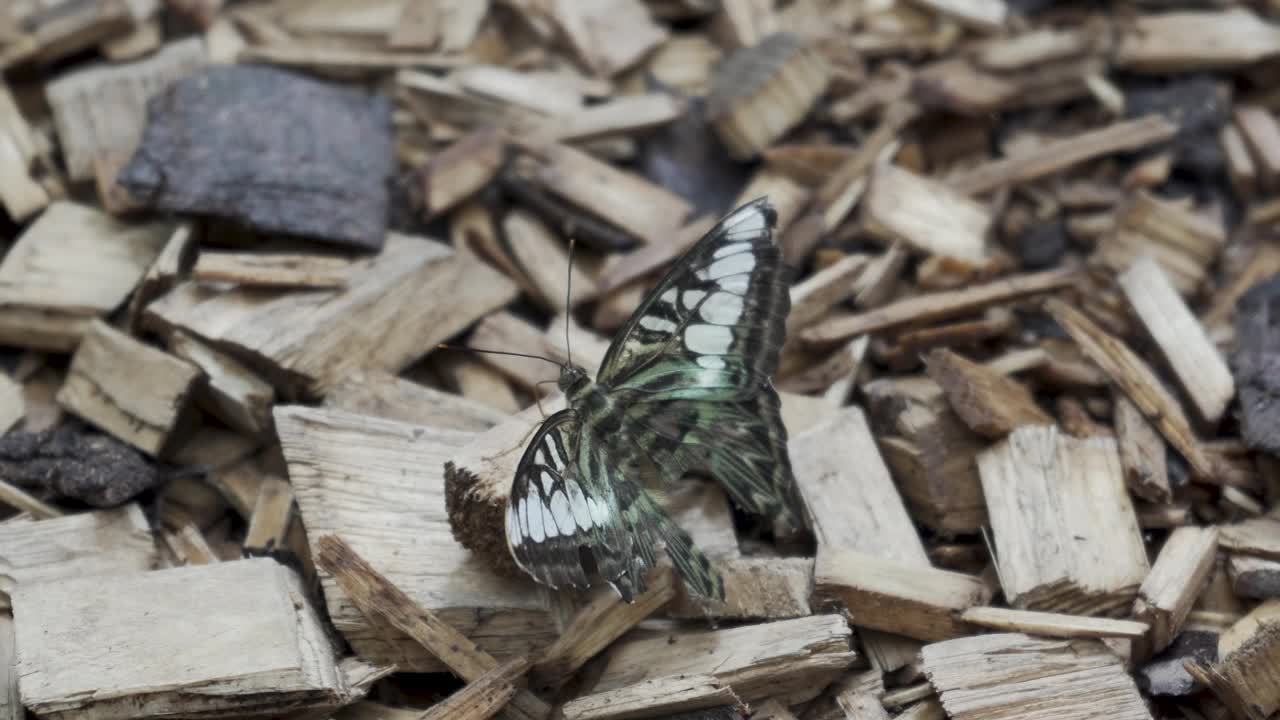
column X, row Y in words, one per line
column 271, row 149
column 1256, row 365
column 90, row 467
column 1165, row 674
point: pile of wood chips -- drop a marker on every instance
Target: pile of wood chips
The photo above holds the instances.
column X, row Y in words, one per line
column 1030, row 377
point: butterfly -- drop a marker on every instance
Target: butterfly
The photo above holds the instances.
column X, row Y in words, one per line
column 685, row 386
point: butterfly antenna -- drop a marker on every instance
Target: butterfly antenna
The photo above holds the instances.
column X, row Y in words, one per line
column 443, row 346
column 568, row 314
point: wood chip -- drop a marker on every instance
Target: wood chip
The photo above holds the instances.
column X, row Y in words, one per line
column 281, row 661
column 270, row 270
column 133, row 391
column 1066, row 537
column 925, row 214
column 1163, row 42
column 1142, row 453
column 231, row 391
column 1136, row 380
column 1010, row 675
column 1056, row 625
column 991, row 404
column 1244, row 678
column 1196, row 363
column 1176, row 579
column 20, row 193
column 384, row 395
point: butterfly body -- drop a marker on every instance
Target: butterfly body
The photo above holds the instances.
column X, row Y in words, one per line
column 686, row 386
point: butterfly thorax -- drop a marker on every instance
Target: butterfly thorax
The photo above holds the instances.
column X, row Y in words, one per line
column 593, row 405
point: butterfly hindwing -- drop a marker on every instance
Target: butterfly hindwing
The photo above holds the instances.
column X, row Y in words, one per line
column 571, row 515
column 713, row 327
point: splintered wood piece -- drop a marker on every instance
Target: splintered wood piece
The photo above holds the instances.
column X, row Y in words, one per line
column 44, row 32
column 602, row 620
column 481, row 383
column 72, row 264
column 1142, row 453
column 1258, row 128
column 507, row 330
column 917, row 601
column 1184, row 242
column 543, row 258
column 10, row 701
column 182, row 536
column 272, row 515
column 821, row 291
column 232, row 392
column 643, row 209
column 1196, row 363
column 133, row 391
column 379, row 484
column 165, row 271
column 1058, row 155
column 755, row 588
column 933, row 307
column 1258, row 536
column 250, row 641
column 991, row 404
column 1066, row 536
column 1175, row 581
column 378, row 598
column 622, row 270
column 23, row 501
column 876, row 285
column 310, row 341
column 608, row 35
column 659, row 697
column 273, row 270
column 1240, row 165
column 792, row 660
column 762, row 91
column 1057, row 625
column 1136, row 380
column 483, row 697
column 20, row 193
column 384, row 395
column 986, row 15
column 1247, row 677
column 457, row 172
column 1010, row 675
column 13, row 403
column 104, row 542
column 100, row 111
column 618, row 117
column 925, row 214
column 1195, row 40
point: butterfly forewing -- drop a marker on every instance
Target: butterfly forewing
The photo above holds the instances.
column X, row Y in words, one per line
column 713, row 327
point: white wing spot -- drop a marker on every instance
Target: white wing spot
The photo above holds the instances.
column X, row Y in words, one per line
column 547, row 481
column 692, row 298
column 751, row 222
column 732, row 249
column 599, row 512
column 732, row 265
column 722, row 308
column 560, row 511
column 578, row 504
column 657, row 324
column 708, row 339
column 548, row 522
column 533, row 515
column 557, row 460
column 735, row 284
column 712, row 362
column 513, row 525
column 669, row 297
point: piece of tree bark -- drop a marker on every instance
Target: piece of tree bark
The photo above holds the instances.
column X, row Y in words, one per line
column 991, row 404
column 377, row 597
column 98, row 261
column 133, row 391
column 379, row 484
column 1196, row 363
column 280, row 660
column 1066, row 536
column 1136, row 380
column 307, row 342
column 1175, row 581
column 1010, row 675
